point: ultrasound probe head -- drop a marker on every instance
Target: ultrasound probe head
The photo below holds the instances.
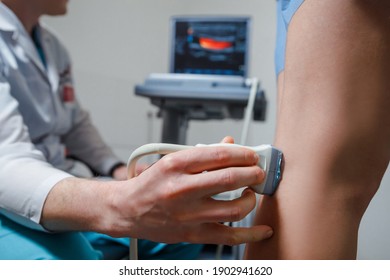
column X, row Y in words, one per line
column 270, row 161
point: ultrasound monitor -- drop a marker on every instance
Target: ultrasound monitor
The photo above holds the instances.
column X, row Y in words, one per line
column 210, row 45
column 208, row 74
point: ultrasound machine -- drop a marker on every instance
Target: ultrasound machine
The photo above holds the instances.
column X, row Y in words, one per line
column 208, row 75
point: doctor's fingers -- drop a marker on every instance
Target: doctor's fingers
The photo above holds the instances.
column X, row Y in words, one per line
column 215, row 233
column 201, row 159
column 228, row 140
column 218, row 181
column 212, row 210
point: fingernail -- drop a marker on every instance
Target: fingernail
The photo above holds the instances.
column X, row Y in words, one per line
column 269, row 233
column 247, row 191
column 256, row 157
column 264, row 174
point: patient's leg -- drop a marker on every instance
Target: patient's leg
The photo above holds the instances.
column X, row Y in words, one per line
column 333, row 127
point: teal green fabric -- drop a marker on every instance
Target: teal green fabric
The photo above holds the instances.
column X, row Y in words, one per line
column 114, row 248
column 21, row 243
column 37, row 41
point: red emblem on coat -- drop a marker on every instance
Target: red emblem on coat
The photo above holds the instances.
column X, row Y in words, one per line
column 68, row 94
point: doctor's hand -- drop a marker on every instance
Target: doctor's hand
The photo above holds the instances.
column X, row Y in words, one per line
column 120, row 173
column 171, row 201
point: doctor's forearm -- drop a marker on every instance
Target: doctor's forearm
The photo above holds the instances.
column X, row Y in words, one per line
column 78, row 205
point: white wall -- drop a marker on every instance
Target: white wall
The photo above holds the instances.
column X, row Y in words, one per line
column 116, row 44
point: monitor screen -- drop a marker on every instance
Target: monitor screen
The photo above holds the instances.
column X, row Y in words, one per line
column 210, row 45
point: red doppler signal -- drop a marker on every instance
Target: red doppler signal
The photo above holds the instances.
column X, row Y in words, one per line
column 212, row 44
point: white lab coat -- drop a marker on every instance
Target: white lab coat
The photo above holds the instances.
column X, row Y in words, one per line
column 41, row 122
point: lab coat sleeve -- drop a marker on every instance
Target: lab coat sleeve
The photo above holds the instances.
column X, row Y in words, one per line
column 85, row 143
column 25, row 176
